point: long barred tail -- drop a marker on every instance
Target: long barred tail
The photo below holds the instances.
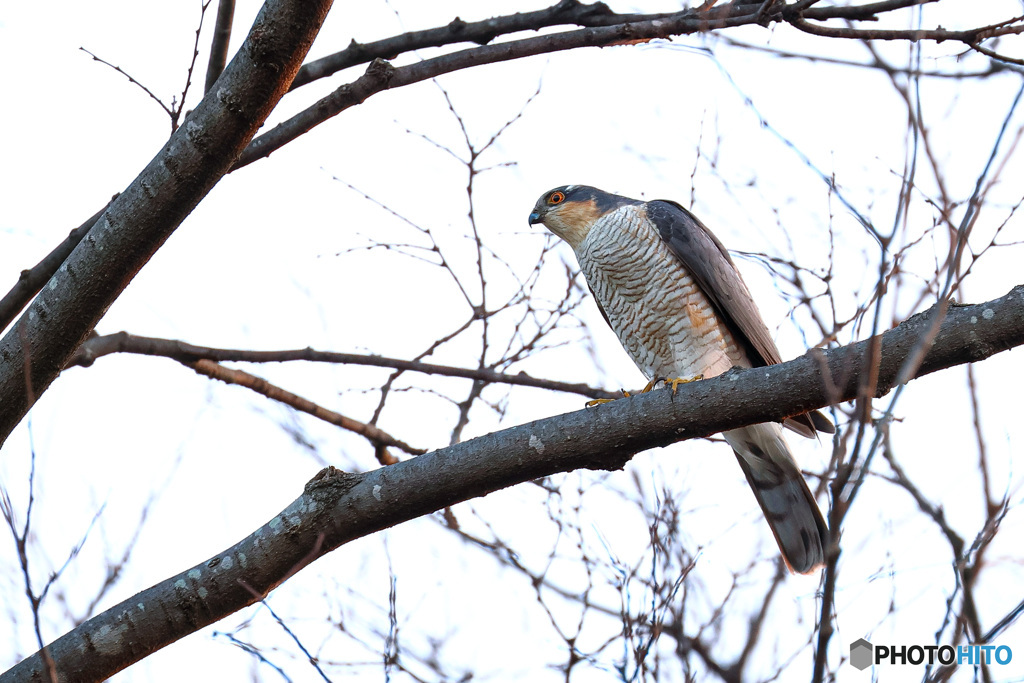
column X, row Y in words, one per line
column 780, row 489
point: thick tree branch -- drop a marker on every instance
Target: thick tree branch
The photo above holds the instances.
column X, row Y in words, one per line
column 630, row 29
column 381, row 75
column 458, row 31
column 142, row 217
column 619, row 29
column 573, row 12
column 336, row 507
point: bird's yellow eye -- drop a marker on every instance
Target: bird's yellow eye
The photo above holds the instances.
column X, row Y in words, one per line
column 556, row 198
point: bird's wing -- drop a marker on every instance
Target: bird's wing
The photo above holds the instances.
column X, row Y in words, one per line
column 709, row 264
column 711, row 267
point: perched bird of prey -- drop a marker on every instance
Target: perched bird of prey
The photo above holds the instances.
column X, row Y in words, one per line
column 672, row 294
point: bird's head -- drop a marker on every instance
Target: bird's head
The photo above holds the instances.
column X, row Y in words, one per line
column 569, row 211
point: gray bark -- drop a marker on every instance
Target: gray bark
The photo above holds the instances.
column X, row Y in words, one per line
column 138, row 221
column 337, row 507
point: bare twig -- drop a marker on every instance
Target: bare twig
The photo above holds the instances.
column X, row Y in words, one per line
column 21, row 537
column 179, row 107
column 261, row 386
column 169, row 110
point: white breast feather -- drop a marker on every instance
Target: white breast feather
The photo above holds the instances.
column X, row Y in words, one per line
column 663, row 320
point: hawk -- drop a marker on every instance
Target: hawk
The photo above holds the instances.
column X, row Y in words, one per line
column 680, row 308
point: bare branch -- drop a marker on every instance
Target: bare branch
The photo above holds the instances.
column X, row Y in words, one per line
column 179, row 107
column 606, row 28
column 143, row 216
column 970, row 37
column 458, row 31
column 31, row 281
column 122, row 342
column 221, row 40
column 261, row 386
column 337, row 507
column 866, row 12
column 381, row 75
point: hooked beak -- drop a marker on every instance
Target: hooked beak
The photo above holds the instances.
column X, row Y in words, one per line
column 535, row 217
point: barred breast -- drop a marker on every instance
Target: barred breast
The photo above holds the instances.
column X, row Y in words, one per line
column 660, row 315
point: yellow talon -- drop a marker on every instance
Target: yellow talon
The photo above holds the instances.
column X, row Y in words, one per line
column 599, row 401
column 674, row 383
column 650, row 385
column 682, row 380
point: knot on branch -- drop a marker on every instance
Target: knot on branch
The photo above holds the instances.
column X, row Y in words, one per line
column 330, row 484
column 356, row 49
column 567, row 6
column 380, row 70
column 577, row 11
column 457, row 26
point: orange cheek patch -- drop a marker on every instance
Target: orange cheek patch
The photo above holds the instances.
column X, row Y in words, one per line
column 579, row 213
column 573, row 221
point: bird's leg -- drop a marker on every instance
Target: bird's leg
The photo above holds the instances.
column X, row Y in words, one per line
column 675, row 382
column 650, row 385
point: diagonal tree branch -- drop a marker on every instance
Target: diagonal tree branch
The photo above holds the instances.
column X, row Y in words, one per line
column 337, row 507
column 602, row 28
column 631, row 29
column 374, row 434
column 598, row 14
column 459, row 31
column 32, row 280
column 380, row 75
column 142, row 217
